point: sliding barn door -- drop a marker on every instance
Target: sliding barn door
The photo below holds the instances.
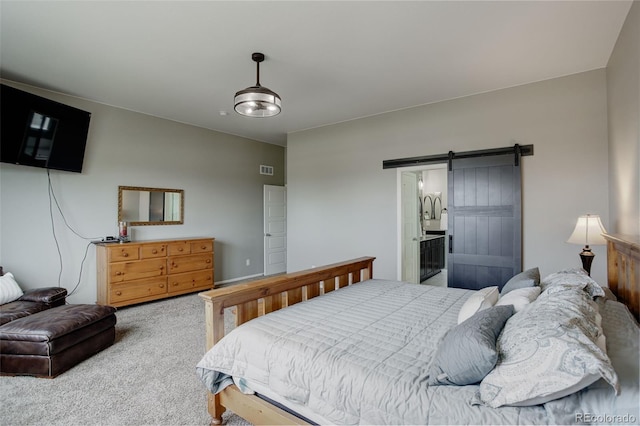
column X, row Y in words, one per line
column 485, row 221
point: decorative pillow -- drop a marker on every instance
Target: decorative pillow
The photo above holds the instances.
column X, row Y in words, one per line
column 468, row 351
column 573, row 277
column 608, row 294
column 519, row 298
column 548, row 351
column 481, row 299
column 9, row 289
column 528, row 278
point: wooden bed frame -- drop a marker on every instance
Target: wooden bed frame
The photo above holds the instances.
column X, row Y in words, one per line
column 623, row 269
column 256, row 298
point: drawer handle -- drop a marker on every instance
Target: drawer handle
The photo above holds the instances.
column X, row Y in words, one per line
column 161, row 285
column 180, row 249
column 119, row 273
column 125, row 254
column 208, row 260
column 154, row 251
column 118, row 293
column 203, row 247
column 175, row 284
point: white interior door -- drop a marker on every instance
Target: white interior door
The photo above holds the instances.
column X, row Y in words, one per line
column 410, row 227
column 275, row 229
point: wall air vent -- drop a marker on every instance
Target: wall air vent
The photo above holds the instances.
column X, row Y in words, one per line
column 266, row 170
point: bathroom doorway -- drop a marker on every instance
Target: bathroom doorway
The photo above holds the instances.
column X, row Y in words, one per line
column 422, row 224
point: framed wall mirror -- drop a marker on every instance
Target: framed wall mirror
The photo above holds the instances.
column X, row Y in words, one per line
column 139, row 206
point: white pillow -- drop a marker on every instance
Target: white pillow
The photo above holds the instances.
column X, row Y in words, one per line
column 9, row 289
column 519, row 298
column 481, row 299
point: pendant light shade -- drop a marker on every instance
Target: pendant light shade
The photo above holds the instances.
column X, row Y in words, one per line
column 257, row 101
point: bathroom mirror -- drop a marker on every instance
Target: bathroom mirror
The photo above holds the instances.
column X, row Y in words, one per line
column 150, row 206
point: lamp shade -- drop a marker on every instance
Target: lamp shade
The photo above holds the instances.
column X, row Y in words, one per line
column 588, row 231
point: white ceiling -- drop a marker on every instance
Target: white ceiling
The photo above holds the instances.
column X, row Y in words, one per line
column 330, row 61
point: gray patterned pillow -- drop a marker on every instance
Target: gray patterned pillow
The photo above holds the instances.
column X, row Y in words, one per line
column 573, row 277
column 548, row 351
column 528, row 278
column 468, row 351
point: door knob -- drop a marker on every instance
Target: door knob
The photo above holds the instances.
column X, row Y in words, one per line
column 267, row 235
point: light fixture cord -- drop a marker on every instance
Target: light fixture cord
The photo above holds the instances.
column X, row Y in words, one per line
column 258, row 74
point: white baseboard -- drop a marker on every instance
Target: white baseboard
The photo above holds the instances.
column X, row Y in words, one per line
column 233, row 280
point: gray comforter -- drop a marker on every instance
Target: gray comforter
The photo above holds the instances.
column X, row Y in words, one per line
column 361, row 355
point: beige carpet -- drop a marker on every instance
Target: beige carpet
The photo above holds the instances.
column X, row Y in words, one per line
column 146, row 378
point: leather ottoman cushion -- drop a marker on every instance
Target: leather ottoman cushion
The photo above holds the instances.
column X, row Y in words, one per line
column 53, row 365
column 56, row 329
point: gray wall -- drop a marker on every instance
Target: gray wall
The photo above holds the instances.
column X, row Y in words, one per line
column 342, row 204
column 218, row 172
column 623, row 96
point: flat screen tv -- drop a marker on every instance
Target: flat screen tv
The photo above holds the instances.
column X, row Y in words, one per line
column 39, row 132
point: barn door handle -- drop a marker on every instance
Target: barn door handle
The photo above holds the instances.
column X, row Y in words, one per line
column 450, row 243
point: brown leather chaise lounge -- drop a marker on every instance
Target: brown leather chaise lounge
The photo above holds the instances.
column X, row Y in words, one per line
column 42, row 336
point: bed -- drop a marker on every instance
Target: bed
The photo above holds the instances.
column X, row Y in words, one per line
column 370, row 351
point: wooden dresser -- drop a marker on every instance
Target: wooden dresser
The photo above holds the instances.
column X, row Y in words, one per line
column 140, row 271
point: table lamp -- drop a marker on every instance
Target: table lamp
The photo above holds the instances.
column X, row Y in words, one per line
column 588, row 231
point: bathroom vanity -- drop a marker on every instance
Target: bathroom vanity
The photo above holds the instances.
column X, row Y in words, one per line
column 432, row 254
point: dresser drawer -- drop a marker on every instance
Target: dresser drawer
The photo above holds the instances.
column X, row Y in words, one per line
column 194, row 262
column 202, row 247
column 149, row 251
column 138, row 290
column 191, row 281
column 122, row 252
column 179, row 248
column 128, row 271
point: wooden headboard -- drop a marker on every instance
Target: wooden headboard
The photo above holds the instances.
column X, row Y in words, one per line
column 623, row 269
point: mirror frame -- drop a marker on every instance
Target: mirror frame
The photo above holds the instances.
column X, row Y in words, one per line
column 147, row 223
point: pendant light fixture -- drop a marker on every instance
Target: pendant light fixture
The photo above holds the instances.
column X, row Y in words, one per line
column 257, row 101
